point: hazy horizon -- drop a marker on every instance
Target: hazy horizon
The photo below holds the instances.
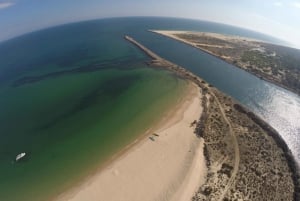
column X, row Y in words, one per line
column 279, row 19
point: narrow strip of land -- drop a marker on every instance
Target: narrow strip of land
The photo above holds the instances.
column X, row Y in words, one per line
column 246, row 158
column 236, row 152
column 241, row 159
column 273, row 63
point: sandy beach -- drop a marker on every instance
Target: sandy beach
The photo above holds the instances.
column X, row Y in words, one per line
column 166, row 165
column 172, row 34
column 205, row 46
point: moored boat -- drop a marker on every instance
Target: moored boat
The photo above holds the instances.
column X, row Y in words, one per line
column 20, row 156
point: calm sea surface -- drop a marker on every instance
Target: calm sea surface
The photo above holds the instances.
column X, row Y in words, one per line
column 71, row 96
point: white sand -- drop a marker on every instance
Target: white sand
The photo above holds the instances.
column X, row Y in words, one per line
column 172, row 167
column 225, row 37
column 172, row 34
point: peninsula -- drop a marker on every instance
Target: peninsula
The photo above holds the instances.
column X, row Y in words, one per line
column 246, row 158
column 208, row 148
column 277, row 64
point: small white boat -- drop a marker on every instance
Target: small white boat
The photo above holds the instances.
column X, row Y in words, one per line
column 20, row 156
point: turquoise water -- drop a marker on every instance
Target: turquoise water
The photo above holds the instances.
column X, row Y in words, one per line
column 71, row 96
column 71, row 106
column 71, row 124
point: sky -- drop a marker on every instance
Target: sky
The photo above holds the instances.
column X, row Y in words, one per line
column 277, row 18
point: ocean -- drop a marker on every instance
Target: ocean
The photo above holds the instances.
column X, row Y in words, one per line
column 72, row 96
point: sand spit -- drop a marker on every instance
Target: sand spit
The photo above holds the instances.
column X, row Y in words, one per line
column 273, row 63
column 246, row 158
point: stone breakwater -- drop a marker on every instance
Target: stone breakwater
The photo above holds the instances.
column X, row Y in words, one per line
column 246, row 158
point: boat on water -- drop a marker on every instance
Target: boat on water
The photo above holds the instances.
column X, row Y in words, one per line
column 20, row 156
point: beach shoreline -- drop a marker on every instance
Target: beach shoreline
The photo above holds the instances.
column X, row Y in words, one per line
column 150, row 153
column 195, row 170
column 235, row 142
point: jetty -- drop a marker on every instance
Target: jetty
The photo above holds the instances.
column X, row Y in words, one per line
column 156, row 60
column 161, row 62
column 143, row 48
column 240, row 148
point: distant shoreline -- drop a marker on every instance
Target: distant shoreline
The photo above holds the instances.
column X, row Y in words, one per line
column 171, row 34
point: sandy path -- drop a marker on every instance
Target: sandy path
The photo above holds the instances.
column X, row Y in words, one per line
column 172, row 167
column 236, row 152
